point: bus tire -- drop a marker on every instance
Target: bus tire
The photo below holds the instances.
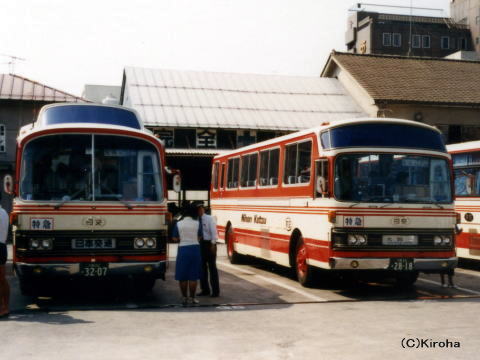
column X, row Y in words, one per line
column 305, row 272
column 28, row 287
column 405, row 281
column 144, row 285
column 233, row 256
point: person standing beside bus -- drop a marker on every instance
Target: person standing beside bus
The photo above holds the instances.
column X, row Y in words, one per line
column 4, row 287
column 188, row 263
column 208, row 245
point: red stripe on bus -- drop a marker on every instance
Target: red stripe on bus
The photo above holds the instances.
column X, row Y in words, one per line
column 98, row 258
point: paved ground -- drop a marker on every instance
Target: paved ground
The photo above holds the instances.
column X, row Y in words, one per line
column 263, row 313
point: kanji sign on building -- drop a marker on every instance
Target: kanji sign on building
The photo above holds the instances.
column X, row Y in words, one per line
column 206, row 138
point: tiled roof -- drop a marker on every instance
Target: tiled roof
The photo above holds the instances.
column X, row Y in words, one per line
column 412, row 80
column 236, row 101
column 15, row 87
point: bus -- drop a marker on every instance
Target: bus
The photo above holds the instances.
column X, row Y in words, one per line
column 364, row 197
column 466, row 167
column 89, row 198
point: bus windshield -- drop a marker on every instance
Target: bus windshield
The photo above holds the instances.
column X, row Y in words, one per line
column 392, row 178
column 90, row 168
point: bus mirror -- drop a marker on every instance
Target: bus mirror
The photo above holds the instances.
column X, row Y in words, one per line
column 321, row 186
column 8, row 184
column 177, row 183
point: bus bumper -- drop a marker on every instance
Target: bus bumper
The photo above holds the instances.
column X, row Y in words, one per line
column 48, row 270
column 419, row 264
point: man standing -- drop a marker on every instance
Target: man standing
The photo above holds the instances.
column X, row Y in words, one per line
column 208, row 244
column 4, row 287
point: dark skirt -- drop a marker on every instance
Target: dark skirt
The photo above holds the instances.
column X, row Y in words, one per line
column 188, row 264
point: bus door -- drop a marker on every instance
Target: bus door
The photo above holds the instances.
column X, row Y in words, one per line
column 223, row 168
column 321, row 178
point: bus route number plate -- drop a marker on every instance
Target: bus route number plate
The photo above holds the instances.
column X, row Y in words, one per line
column 353, row 221
column 94, row 269
column 401, row 264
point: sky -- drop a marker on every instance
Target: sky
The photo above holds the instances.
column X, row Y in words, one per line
column 67, row 44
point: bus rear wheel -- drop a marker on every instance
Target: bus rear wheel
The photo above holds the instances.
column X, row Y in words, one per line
column 305, row 272
column 233, row 256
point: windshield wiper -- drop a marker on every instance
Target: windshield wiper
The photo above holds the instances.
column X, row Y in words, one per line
column 60, row 204
column 126, row 203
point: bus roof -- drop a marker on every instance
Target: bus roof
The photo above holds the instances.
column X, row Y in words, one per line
column 465, row 146
column 93, row 114
column 326, row 126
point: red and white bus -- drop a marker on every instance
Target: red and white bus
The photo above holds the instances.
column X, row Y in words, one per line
column 466, row 166
column 90, row 197
column 371, row 196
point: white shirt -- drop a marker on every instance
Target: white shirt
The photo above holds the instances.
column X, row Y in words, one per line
column 4, row 222
column 209, row 228
column 188, row 231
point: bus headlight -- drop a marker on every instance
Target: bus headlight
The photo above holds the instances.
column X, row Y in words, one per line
column 151, row 242
column 34, row 244
column 47, row 244
column 357, row 239
column 139, row 243
column 442, row 240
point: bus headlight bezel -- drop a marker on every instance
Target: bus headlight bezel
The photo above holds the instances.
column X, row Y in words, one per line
column 443, row 240
column 145, row 242
column 357, row 239
column 39, row 244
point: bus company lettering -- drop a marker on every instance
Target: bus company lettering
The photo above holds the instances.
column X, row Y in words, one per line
column 257, row 219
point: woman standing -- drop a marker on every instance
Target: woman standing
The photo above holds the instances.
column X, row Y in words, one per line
column 188, row 264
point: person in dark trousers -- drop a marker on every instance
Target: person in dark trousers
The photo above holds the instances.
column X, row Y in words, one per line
column 207, row 233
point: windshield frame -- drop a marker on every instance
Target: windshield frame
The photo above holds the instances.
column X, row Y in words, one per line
column 159, row 151
column 375, row 152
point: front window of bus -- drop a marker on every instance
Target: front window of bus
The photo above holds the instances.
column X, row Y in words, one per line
column 90, row 168
column 392, row 178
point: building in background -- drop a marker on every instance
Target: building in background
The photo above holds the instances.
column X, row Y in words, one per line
column 440, row 92
column 468, row 12
column 102, row 94
column 430, row 35
column 20, row 101
column 199, row 114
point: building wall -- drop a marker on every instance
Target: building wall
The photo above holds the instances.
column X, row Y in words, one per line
column 468, row 12
column 365, row 36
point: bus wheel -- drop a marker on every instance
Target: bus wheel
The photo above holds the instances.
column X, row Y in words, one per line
column 233, row 256
column 406, row 280
column 28, row 287
column 304, row 271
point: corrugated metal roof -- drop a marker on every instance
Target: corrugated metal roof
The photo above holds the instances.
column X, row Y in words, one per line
column 15, row 87
column 171, row 98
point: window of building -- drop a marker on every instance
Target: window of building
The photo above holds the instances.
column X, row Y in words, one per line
column 3, row 143
column 426, row 41
column 248, row 176
column 397, row 40
column 269, row 167
column 416, row 41
column 387, row 39
column 297, row 163
column 265, row 135
column 226, row 139
column 185, row 138
column 215, row 175
column 233, row 165
column 462, row 43
column 445, row 42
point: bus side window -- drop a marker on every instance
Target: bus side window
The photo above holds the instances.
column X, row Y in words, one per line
column 297, row 163
column 321, row 182
column 233, row 167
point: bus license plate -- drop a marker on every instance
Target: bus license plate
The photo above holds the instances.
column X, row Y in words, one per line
column 94, row 269
column 401, row 264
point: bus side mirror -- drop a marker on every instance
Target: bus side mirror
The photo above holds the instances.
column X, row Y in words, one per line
column 8, row 184
column 177, row 183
